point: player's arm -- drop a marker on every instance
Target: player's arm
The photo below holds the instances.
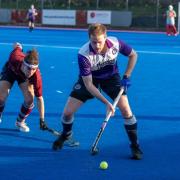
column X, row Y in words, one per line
column 96, row 93
column 35, row 13
column 41, row 109
column 131, row 54
column 40, row 106
column 37, row 82
column 27, row 15
column 132, row 58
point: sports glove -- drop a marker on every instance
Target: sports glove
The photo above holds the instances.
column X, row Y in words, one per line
column 126, row 83
column 43, row 125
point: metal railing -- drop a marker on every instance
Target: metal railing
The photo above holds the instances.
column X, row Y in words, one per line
column 146, row 13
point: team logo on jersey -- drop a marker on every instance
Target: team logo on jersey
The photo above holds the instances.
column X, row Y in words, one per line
column 114, row 51
column 77, row 86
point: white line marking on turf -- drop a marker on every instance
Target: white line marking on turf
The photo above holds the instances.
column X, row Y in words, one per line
column 76, row 48
column 60, row 92
column 43, row 46
column 158, row 52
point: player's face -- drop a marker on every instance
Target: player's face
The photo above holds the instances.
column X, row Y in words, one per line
column 98, row 42
column 28, row 71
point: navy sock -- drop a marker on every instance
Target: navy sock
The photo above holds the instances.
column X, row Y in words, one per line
column 132, row 133
column 67, row 130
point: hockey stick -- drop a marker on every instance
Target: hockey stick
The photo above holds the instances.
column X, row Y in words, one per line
column 56, row 133
column 94, row 149
column 70, row 142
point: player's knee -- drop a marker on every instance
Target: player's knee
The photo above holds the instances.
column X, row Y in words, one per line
column 67, row 114
column 126, row 113
column 130, row 120
column 28, row 105
column 67, row 119
column 29, row 100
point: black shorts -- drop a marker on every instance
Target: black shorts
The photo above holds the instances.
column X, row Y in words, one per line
column 31, row 19
column 110, row 86
column 8, row 75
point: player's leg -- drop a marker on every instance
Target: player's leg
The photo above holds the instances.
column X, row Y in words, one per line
column 67, row 119
column 112, row 87
column 27, row 106
column 30, row 25
column 78, row 96
column 33, row 25
column 174, row 30
column 5, row 87
column 130, row 124
column 168, row 30
column 7, row 79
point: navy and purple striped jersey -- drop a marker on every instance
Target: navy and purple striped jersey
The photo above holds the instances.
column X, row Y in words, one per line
column 31, row 14
column 101, row 66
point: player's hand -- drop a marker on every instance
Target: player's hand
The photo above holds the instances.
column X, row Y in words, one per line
column 110, row 109
column 125, row 82
column 43, row 125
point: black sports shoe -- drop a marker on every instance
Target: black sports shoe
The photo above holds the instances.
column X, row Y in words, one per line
column 58, row 144
column 136, row 152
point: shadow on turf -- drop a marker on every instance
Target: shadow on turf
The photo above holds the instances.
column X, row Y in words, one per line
column 161, row 161
column 17, row 134
column 101, row 116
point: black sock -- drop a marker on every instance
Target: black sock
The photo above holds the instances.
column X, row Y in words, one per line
column 1, row 110
column 132, row 133
column 67, row 130
column 30, row 29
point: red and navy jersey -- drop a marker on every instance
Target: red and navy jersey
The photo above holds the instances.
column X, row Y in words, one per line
column 14, row 64
column 15, row 60
column 36, row 80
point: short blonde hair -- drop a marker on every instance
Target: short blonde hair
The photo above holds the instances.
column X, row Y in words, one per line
column 96, row 29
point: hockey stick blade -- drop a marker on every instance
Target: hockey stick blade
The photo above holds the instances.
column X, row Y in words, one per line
column 70, row 142
column 56, row 133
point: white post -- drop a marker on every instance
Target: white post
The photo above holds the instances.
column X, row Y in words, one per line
column 127, row 5
column 179, row 17
column 42, row 5
column 97, row 4
column 69, row 4
column 17, row 4
column 157, row 14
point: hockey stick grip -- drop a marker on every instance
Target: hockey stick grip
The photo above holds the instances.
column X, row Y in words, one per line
column 114, row 104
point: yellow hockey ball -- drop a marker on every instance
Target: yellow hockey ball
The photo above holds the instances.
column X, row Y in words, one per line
column 103, row 165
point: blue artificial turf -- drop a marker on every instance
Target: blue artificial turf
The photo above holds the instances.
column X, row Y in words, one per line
column 154, row 98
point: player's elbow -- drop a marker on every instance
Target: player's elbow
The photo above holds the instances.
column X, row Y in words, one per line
column 133, row 55
column 39, row 98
